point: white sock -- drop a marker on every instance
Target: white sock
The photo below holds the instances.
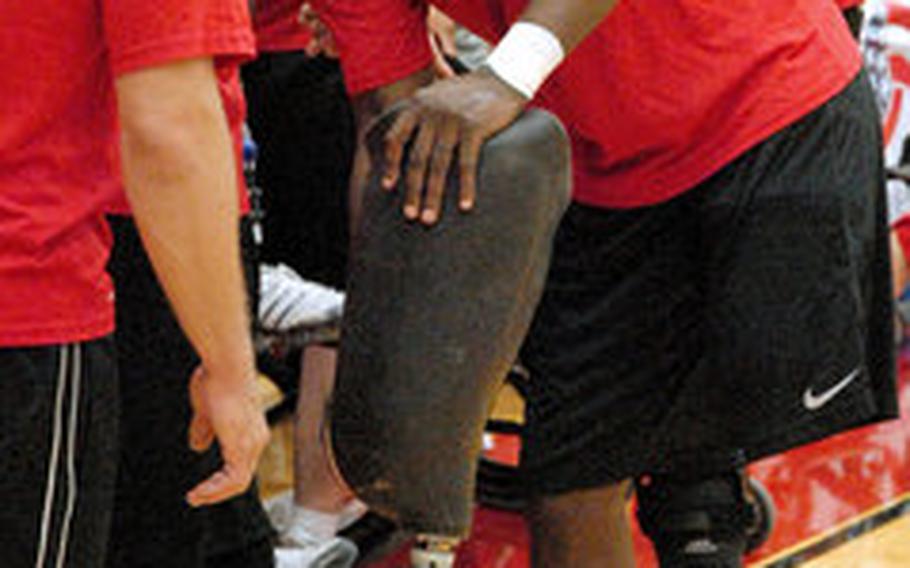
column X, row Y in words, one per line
column 321, row 526
column 352, row 512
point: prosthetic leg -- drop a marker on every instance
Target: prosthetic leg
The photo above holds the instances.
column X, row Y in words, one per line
column 433, row 322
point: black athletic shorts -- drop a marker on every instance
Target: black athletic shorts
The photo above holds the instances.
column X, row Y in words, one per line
column 153, row 524
column 748, row 316
column 301, row 119
column 58, row 444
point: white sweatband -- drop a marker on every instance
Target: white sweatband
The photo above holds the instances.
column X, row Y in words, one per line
column 526, row 56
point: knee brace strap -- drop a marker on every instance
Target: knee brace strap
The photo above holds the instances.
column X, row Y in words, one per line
column 695, row 522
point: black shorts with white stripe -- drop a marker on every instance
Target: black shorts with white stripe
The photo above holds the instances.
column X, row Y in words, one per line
column 58, row 439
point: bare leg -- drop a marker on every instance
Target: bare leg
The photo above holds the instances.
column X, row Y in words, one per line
column 316, row 483
column 583, row 529
column 309, row 532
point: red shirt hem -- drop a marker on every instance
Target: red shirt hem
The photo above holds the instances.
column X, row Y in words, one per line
column 281, row 45
column 368, row 81
column 33, row 336
column 592, row 188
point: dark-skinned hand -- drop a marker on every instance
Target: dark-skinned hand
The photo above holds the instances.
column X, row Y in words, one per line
column 449, row 122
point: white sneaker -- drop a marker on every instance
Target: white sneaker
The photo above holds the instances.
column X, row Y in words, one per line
column 334, row 553
column 287, row 301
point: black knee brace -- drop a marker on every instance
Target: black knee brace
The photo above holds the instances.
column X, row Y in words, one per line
column 696, row 522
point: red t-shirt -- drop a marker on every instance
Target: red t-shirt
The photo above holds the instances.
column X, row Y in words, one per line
column 58, row 145
column 844, row 4
column 661, row 95
column 278, row 28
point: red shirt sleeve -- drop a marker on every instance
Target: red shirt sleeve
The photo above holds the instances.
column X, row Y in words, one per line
column 380, row 41
column 146, row 33
column 278, row 28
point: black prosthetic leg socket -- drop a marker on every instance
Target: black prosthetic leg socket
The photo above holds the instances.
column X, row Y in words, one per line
column 433, row 321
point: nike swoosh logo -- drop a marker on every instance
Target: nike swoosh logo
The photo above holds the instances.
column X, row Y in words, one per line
column 814, row 401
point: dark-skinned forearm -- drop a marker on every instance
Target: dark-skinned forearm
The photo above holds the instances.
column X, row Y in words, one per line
column 448, row 122
column 570, row 20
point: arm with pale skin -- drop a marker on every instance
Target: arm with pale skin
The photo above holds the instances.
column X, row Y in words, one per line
column 180, row 177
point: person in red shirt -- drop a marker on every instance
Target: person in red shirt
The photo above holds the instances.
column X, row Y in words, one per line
column 90, row 105
column 719, row 290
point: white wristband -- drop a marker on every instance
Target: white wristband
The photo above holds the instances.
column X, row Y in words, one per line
column 526, row 56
